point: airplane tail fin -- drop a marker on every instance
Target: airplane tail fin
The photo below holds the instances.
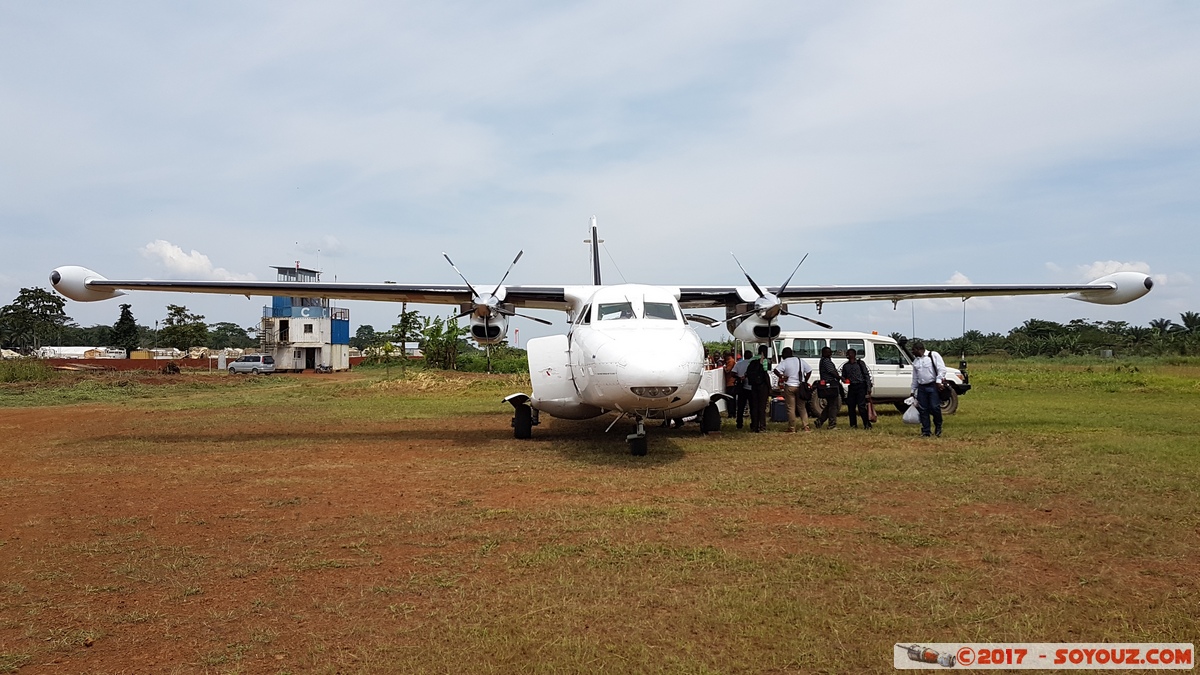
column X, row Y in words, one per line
column 595, row 242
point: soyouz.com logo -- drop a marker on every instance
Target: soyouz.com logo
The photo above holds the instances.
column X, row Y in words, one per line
column 1044, row 656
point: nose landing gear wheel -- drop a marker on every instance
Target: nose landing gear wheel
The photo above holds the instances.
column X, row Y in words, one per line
column 637, row 440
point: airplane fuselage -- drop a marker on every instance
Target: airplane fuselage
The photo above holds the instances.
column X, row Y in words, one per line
column 628, row 349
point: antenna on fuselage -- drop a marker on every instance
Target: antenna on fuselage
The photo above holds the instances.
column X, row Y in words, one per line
column 595, row 241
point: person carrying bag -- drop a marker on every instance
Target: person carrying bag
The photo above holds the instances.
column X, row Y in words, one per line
column 829, row 389
column 928, row 380
column 858, row 375
column 793, row 374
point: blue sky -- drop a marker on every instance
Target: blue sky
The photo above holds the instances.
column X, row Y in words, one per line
column 894, row 142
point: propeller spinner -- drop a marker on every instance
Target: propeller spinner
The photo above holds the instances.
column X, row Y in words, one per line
column 768, row 306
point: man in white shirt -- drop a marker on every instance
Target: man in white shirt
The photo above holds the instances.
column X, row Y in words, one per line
column 792, row 372
column 929, row 374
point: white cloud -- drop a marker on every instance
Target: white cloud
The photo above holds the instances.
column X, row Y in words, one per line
column 1103, row 267
column 194, row 265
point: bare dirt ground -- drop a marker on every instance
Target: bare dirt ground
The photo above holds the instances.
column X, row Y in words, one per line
column 160, row 559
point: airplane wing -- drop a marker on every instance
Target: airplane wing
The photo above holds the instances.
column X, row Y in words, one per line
column 82, row 284
column 1113, row 289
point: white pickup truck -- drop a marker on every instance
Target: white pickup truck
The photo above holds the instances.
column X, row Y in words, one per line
column 890, row 365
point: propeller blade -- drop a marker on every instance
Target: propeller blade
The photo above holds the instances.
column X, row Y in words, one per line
column 462, row 314
column 487, row 346
column 739, row 264
column 534, row 318
column 770, row 341
column 460, row 275
column 789, row 279
column 700, row 318
column 822, row 324
column 510, row 269
column 740, row 316
column 507, row 312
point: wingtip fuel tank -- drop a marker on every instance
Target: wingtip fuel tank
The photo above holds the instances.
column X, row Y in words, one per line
column 1116, row 289
column 72, row 282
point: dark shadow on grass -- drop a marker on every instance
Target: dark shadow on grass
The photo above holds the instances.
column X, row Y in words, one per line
column 577, row 441
column 586, row 442
column 316, row 439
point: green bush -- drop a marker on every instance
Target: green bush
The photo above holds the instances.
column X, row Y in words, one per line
column 513, row 362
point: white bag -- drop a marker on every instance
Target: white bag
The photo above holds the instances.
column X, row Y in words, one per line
column 912, row 415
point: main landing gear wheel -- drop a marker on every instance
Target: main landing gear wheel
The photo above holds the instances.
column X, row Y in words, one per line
column 710, row 422
column 637, row 440
column 522, row 421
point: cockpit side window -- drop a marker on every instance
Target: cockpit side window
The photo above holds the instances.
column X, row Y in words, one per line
column 611, row 311
column 660, row 310
column 585, row 315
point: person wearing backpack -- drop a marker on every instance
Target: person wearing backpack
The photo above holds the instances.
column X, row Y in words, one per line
column 929, row 375
column 760, row 390
column 858, row 375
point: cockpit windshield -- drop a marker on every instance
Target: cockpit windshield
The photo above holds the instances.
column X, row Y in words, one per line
column 611, row 311
column 660, row 310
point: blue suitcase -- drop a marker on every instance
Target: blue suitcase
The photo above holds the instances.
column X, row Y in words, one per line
column 778, row 410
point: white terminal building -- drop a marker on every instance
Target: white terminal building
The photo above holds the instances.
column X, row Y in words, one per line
column 303, row 333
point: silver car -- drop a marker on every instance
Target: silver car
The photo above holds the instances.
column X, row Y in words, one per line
column 253, row 363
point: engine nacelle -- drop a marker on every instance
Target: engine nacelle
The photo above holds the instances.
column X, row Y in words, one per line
column 755, row 329
column 71, row 281
column 491, row 332
column 1129, row 287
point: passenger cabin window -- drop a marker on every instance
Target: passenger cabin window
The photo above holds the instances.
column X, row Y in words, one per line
column 808, row 347
column 660, row 310
column 610, row 311
column 839, row 347
column 887, row 355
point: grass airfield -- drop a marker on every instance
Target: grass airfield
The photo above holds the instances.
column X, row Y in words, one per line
column 365, row 523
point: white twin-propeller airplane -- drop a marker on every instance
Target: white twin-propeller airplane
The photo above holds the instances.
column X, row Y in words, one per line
column 629, row 347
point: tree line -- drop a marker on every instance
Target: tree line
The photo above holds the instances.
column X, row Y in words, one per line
column 1080, row 337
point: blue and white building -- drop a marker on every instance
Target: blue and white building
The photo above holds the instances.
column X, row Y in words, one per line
column 303, row 333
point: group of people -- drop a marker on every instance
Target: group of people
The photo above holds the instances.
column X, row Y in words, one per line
column 748, row 381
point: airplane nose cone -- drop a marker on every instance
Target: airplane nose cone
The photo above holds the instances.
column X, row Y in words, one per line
column 652, row 369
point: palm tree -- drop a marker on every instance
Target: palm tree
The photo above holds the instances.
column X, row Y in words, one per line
column 1164, row 326
column 1190, row 320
